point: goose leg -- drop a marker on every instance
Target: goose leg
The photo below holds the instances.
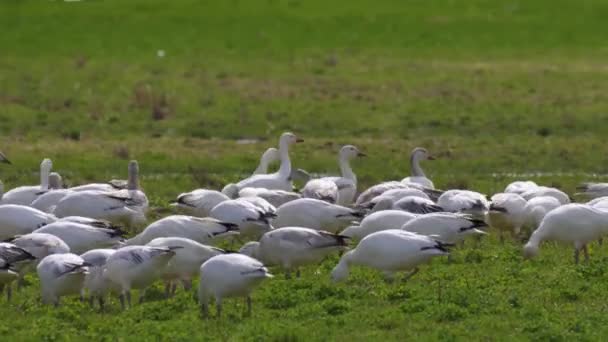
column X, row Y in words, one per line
column 298, row 273
column 288, row 274
column 101, row 302
column 142, row 295
column 586, row 253
column 389, row 276
column 187, row 284
column 173, row 289
column 9, row 292
column 501, row 236
column 82, row 295
column 167, row 289
column 577, row 253
column 411, row 274
column 56, row 302
column 248, row 306
column 218, row 306
column 92, row 301
column 129, row 298
column 600, row 241
column 122, row 301
column 205, row 310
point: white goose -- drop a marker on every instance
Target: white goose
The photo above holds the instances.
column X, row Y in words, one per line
column 576, row 224
column 81, row 237
column 445, row 227
column 412, row 204
column 561, row 196
column 315, row 214
column 390, row 251
column 19, row 219
column 186, row 263
column 280, row 180
column 294, row 247
column 97, row 284
column 24, row 195
column 274, row 197
column 41, row 244
column 115, row 207
column 536, row 209
column 268, row 157
column 201, row 230
column 133, row 191
column 507, row 213
column 377, row 221
column 60, row 275
column 417, row 175
column 395, row 195
column 12, row 257
column 464, row 201
column 321, row 189
column 250, row 219
column 377, row 190
column 136, row 267
column 519, row 187
column 199, row 202
column 48, row 200
column 229, row 275
column 593, row 190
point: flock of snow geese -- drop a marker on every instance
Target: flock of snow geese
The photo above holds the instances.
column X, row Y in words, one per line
column 72, row 237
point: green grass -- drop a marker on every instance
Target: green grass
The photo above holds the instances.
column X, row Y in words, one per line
column 494, row 89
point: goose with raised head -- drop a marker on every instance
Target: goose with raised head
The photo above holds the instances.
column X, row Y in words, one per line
column 137, row 267
column 390, row 251
column 25, row 195
column 116, row 207
column 464, row 201
column 536, row 209
column 252, row 221
column 519, row 187
column 417, row 175
column 19, row 220
column 229, row 275
column 561, row 196
column 445, row 227
column 61, row 275
column 95, row 282
column 507, row 213
column 576, row 224
column 280, row 180
column 377, row 221
column 46, row 201
column 315, row 214
column 81, row 237
column 274, row 197
column 199, row 202
column 133, row 191
column 269, row 156
column 201, row 230
column 293, row 247
column 186, row 263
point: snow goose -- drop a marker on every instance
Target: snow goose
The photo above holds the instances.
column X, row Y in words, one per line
column 11, row 256
column 377, row 221
column 321, row 189
column 395, row 195
column 186, row 263
column 81, row 237
column 24, row 195
column 201, row 230
column 251, row 220
column 137, row 267
column 315, row 214
column 89, row 221
column 47, row 201
column 417, row 205
column 280, row 180
column 464, row 201
column 593, row 190
column 268, row 157
column 294, row 247
column 536, row 209
column 377, row 190
column 199, row 202
column 446, row 227
column 133, row 191
column 229, row 275
column 115, row 207
column 519, row 187
column 41, row 244
column 577, row 224
column 506, row 213
column 390, row 251
column 561, row 196
column 274, row 197
column 95, row 281
column 60, row 275
column 19, row 219
column 417, row 175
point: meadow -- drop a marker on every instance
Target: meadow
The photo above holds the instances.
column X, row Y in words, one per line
column 196, row 90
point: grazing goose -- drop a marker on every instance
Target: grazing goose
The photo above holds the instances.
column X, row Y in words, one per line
column 600, row 202
column 274, row 197
column 229, row 275
column 279, row 180
column 561, row 196
column 536, row 209
column 294, row 247
column 576, row 224
column 390, row 251
column 345, row 189
column 593, row 190
column 137, row 267
column 186, row 263
column 199, row 202
column 81, row 237
column 507, row 213
column 89, row 221
column 115, row 207
column 41, row 244
column 11, row 256
column 464, row 201
column 95, row 281
column 377, row 221
column 445, row 227
column 47, row 201
column 25, row 195
column 19, row 219
column 417, row 175
column 519, row 187
column 61, row 275
column 315, row 214
column 270, row 156
column 201, row 230
column 395, row 195
column 267, row 209
column 251, row 220
column 377, row 190
column 417, row 205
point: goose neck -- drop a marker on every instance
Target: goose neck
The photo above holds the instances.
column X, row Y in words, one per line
column 285, row 168
column 416, row 170
column 346, row 170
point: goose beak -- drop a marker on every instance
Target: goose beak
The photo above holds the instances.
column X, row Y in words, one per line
column 361, row 154
column 431, row 158
column 299, row 140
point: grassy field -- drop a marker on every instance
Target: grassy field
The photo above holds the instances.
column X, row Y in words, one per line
column 497, row 90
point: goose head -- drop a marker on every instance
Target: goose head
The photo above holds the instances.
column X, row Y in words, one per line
column 421, row 153
column 530, row 251
column 348, row 152
column 289, row 138
column 46, row 165
column 133, row 183
column 231, row 190
column 251, row 249
column 55, row 181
